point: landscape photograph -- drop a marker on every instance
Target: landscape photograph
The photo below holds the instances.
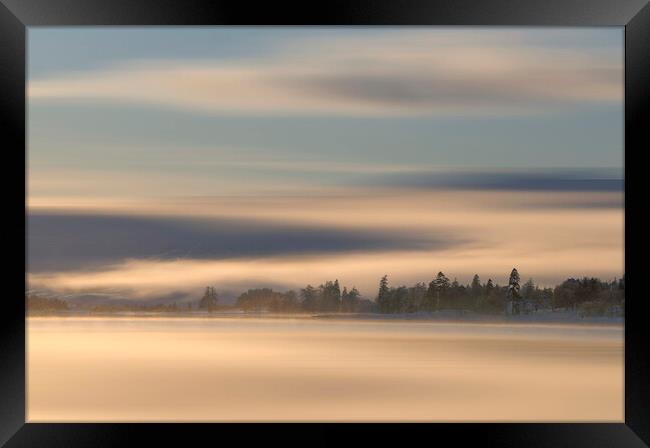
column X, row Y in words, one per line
column 325, row 224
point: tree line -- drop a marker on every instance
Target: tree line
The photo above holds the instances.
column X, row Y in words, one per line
column 588, row 295
column 327, row 297
column 45, row 304
column 591, row 295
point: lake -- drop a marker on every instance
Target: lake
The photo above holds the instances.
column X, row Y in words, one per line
column 305, row 369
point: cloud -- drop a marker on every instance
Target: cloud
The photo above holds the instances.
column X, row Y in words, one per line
column 407, row 73
column 139, row 250
column 156, row 279
column 58, row 241
column 584, row 180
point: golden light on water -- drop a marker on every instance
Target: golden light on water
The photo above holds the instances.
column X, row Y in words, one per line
column 298, row 369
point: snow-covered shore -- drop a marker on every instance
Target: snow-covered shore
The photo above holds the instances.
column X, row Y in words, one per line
column 560, row 317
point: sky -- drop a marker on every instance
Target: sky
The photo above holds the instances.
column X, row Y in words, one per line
column 165, row 159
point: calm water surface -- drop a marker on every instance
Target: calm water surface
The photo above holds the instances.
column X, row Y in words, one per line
column 243, row 369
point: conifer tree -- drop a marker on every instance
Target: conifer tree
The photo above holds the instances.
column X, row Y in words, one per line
column 383, row 296
column 513, row 291
column 476, row 285
column 489, row 288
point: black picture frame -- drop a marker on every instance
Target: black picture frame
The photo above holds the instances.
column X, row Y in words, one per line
column 16, row 15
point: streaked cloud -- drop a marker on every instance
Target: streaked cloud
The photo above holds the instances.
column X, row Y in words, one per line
column 602, row 180
column 198, row 176
column 412, row 73
column 410, row 235
column 84, row 241
column 153, row 279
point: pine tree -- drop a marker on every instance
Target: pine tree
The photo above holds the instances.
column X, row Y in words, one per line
column 441, row 281
column 383, row 296
column 353, row 299
column 431, row 297
column 513, row 290
column 441, row 288
column 336, row 295
column 476, row 285
column 345, row 299
column 528, row 289
column 310, row 298
column 209, row 300
column 330, row 296
column 489, row 299
column 489, row 288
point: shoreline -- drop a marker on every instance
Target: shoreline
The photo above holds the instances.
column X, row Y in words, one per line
column 546, row 317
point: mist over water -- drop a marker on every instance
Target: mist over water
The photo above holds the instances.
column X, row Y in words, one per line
column 301, row 369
